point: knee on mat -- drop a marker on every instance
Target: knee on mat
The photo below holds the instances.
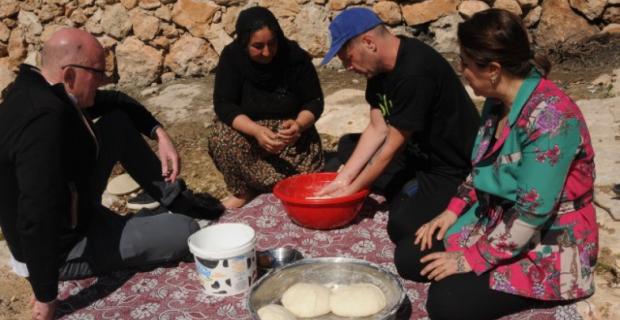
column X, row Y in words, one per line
column 397, row 228
column 157, row 239
column 442, row 312
column 178, row 228
column 442, row 304
column 407, row 260
column 396, row 232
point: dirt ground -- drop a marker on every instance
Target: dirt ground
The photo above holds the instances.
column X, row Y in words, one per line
column 574, row 70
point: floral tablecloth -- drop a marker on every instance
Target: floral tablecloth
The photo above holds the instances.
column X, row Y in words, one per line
column 175, row 293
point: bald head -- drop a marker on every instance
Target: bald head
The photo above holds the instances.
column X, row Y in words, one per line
column 70, row 46
column 76, row 59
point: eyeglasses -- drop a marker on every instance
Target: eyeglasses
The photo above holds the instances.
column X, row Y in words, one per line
column 98, row 72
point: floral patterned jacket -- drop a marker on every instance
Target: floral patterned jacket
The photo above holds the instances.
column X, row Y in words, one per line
column 525, row 212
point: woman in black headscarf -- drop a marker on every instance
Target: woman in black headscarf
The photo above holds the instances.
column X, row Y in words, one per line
column 267, row 97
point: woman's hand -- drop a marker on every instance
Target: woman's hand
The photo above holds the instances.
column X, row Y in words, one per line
column 441, row 224
column 289, row 132
column 444, row 264
column 268, row 140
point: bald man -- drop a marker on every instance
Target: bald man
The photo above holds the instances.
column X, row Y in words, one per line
column 54, row 165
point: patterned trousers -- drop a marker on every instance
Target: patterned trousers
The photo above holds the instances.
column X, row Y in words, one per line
column 247, row 168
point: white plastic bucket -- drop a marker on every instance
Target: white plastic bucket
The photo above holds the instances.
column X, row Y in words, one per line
column 225, row 258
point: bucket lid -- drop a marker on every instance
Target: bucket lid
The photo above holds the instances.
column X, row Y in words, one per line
column 223, row 240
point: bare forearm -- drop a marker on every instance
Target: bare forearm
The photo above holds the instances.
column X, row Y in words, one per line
column 244, row 124
column 369, row 142
column 390, row 146
column 374, row 168
column 160, row 133
column 305, row 119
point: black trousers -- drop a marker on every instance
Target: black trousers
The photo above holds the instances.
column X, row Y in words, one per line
column 113, row 242
column 416, row 196
column 460, row 296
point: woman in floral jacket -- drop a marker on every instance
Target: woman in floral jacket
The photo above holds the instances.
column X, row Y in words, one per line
column 521, row 232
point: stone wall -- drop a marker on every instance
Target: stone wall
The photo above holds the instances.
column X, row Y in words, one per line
column 151, row 41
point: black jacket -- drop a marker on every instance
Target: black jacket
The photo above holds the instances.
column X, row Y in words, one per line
column 44, row 147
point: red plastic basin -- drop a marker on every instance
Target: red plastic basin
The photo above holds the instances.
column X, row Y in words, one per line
column 317, row 213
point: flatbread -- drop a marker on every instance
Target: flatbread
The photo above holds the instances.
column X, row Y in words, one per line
column 122, row 184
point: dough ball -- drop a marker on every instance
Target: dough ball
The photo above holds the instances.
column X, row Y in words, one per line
column 275, row 312
column 306, row 300
column 357, row 300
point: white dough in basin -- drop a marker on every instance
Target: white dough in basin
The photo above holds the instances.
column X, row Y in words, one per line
column 357, row 300
column 275, row 312
column 306, row 300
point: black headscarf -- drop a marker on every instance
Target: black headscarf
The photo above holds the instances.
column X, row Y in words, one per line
column 289, row 54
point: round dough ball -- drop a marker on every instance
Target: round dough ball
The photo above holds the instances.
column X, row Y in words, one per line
column 275, row 312
column 306, row 300
column 357, row 300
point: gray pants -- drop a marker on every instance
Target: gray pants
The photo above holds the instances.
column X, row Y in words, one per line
column 114, row 242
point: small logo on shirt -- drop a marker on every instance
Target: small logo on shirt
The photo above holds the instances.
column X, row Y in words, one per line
column 385, row 105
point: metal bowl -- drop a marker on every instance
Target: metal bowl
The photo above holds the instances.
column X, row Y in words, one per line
column 331, row 272
column 278, row 257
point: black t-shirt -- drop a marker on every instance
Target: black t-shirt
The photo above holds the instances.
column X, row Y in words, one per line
column 423, row 95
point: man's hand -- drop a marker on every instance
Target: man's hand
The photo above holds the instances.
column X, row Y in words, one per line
column 441, row 224
column 170, row 161
column 43, row 310
column 337, row 188
column 289, row 132
column 444, row 264
column 268, row 140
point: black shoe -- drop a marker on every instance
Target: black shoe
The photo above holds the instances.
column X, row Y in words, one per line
column 197, row 206
column 616, row 189
column 151, row 212
column 142, row 201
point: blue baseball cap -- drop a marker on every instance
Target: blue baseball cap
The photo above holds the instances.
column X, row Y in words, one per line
column 348, row 24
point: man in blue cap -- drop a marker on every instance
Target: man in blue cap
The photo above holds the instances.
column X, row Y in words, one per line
column 417, row 146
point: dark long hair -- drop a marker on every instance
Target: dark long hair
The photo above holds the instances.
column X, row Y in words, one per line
column 497, row 35
column 254, row 19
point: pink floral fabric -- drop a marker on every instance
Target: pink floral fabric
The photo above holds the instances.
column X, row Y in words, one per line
column 175, row 293
column 526, row 212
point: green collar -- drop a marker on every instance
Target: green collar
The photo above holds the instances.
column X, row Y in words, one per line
column 525, row 91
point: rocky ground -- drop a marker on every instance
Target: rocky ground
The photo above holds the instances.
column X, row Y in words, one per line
column 590, row 73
